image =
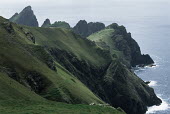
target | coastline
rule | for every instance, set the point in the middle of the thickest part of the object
(151, 83)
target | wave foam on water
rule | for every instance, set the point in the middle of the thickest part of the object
(138, 69)
(162, 107)
(153, 83)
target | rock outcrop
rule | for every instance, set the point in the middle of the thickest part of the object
(130, 48)
(25, 17)
(95, 27)
(121, 45)
(46, 23)
(85, 29)
(124, 89)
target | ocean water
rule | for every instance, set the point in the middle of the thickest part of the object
(153, 35)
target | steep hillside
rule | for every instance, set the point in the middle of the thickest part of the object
(65, 40)
(29, 76)
(13, 90)
(105, 75)
(33, 67)
(58, 65)
(25, 17)
(120, 44)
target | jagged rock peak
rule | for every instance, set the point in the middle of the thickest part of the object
(28, 8)
(25, 17)
(46, 23)
(85, 29)
(82, 22)
(15, 14)
(13, 17)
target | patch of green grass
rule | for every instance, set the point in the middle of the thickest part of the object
(68, 41)
(60, 24)
(102, 35)
(81, 93)
(11, 89)
(14, 54)
(17, 60)
(31, 107)
(104, 40)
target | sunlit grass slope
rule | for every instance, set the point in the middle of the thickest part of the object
(103, 39)
(18, 61)
(27, 79)
(66, 40)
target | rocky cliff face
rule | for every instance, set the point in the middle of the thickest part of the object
(130, 48)
(113, 83)
(85, 29)
(124, 89)
(46, 23)
(25, 17)
(121, 45)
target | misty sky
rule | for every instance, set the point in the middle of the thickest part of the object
(90, 10)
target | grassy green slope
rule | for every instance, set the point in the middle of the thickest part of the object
(12, 90)
(18, 60)
(60, 24)
(32, 107)
(67, 40)
(11, 101)
(14, 54)
(103, 39)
